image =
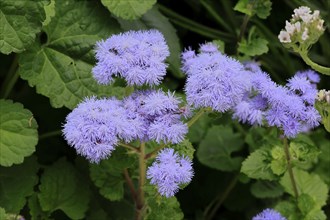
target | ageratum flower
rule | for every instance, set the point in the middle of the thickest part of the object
(137, 56)
(290, 107)
(169, 171)
(213, 79)
(269, 214)
(160, 115)
(94, 127)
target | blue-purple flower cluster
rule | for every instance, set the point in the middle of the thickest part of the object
(137, 56)
(213, 79)
(95, 126)
(269, 214)
(169, 171)
(222, 83)
(289, 107)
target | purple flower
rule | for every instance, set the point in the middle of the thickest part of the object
(169, 171)
(137, 56)
(290, 107)
(160, 115)
(269, 214)
(213, 79)
(94, 127)
(311, 75)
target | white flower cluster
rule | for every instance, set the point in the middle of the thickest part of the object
(303, 24)
(324, 95)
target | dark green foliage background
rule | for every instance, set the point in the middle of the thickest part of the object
(54, 75)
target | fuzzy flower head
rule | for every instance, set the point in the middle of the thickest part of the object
(160, 115)
(95, 126)
(213, 79)
(269, 214)
(169, 171)
(290, 107)
(305, 27)
(137, 56)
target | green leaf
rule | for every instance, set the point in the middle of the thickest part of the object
(35, 208)
(257, 165)
(2, 213)
(324, 109)
(310, 184)
(198, 130)
(50, 12)
(161, 208)
(266, 189)
(60, 67)
(316, 214)
(216, 148)
(154, 19)
(305, 203)
(184, 148)
(244, 6)
(289, 210)
(20, 21)
(63, 188)
(303, 154)
(19, 134)
(254, 47)
(279, 163)
(108, 175)
(220, 44)
(260, 136)
(17, 183)
(128, 9)
(261, 8)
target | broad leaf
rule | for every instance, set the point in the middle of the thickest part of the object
(161, 208)
(198, 130)
(289, 210)
(303, 154)
(17, 183)
(261, 8)
(128, 9)
(60, 65)
(50, 12)
(2, 213)
(109, 174)
(184, 148)
(217, 146)
(19, 134)
(266, 189)
(63, 188)
(20, 21)
(255, 47)
(278, 163)
(306, 183)
(154, 19)
(257, 165)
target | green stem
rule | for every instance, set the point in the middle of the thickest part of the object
(130, 184)
(130, 147)
(288, 159)
(243, 28)
(219, 200)
(216, 16)
(196, 117)
(154, 152)
(194, 26)
(11, 78)
(50, 134)
(140, 203)
(315, 66)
